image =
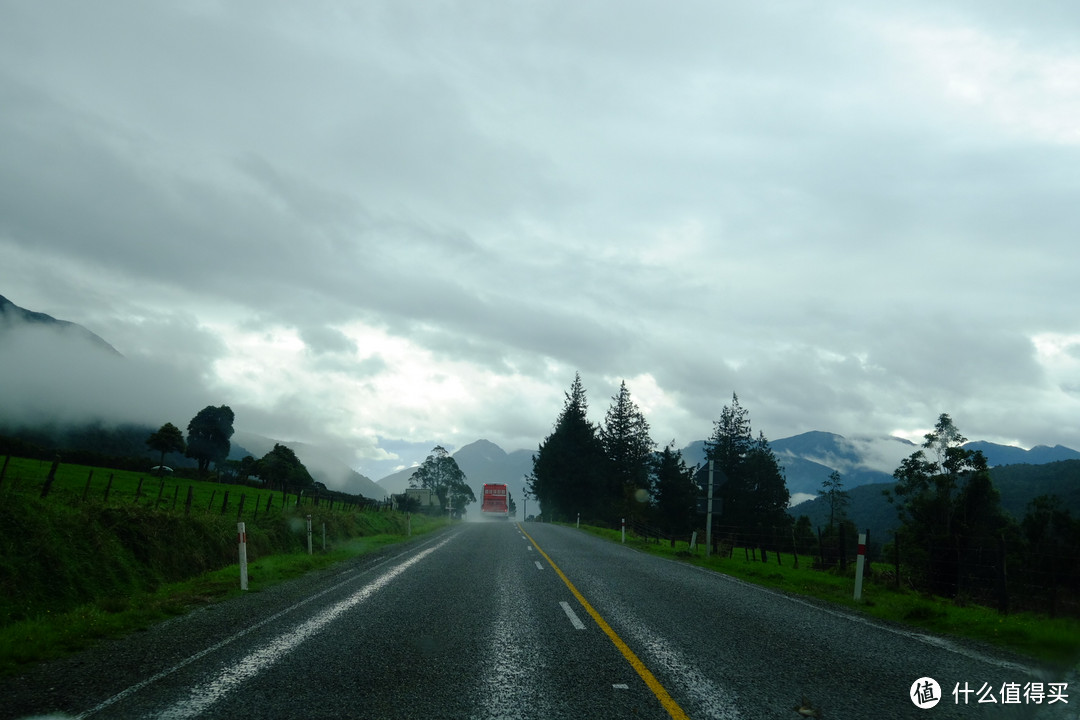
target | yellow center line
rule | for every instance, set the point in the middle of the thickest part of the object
(661, 693)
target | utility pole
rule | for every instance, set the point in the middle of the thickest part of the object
(708, 514)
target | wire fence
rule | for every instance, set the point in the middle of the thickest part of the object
(60, 482)
(1010, 578)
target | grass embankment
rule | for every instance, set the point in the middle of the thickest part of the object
(1051, 641)
(73, 571)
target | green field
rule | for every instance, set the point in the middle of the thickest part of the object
(75, 568)
(80, 482)
(1052, 641)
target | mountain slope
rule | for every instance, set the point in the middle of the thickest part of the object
(323, 463)
(1017, 484)
(13, 317)
(809, 458)
(1010, 455)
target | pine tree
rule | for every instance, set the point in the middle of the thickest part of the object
(676, 493)
(750, 482)
(629, 450)
(568, 468)
(731, 439)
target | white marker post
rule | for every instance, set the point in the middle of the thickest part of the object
(308, 534)
(624, 531)
(241, 536)
(578, 524)
(859, 564)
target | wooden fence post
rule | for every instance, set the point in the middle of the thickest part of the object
(86, 489)
(3, 470)
(896, 557)
(240, 509)
(138, 490)
(1003, 585)
(108, 487)
(176, 493)
(211, 503)
(843, 547)
(49, 478)
(160, 490)
(187, 504)
(225, 502)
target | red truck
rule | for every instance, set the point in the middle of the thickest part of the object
(496, 502)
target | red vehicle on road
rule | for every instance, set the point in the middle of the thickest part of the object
(496, 502)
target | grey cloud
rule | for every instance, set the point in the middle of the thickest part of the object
(323, 339)
(499, 186)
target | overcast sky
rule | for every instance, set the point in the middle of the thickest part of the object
(391, 225)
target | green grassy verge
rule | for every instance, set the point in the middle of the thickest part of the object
(73, 571)
(1051, 641)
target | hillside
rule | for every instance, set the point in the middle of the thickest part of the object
(1010, 455)
(14, 318)
(1017, 484)
(809, 458)
(324, 464)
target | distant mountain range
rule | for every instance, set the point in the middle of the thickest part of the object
(12, 316)
(809, 458)
(482, 462)
(865, 465)
(1019, 475)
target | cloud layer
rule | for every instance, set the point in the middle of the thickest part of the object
(396, 224)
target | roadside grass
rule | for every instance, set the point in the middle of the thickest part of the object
(1051, 641)
(73, 572)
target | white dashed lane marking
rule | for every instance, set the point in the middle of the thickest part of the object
(574, 619)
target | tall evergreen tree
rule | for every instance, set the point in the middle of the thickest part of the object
(731, 440)
(750, 482)
(675, 492)
(767, 496)
(568, 468)
(629, 452)
(727, 448)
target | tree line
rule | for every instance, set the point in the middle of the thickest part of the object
(208, 441)
(610, 471)
(955, 536)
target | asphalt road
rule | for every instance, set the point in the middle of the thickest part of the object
(497, 620)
